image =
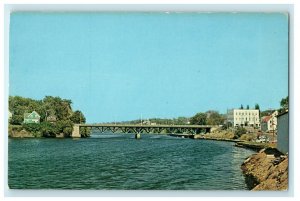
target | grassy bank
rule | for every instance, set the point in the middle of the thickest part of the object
(246, 140)
(255, 145)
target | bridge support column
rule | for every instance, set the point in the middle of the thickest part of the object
(76, 131)
(137, 136)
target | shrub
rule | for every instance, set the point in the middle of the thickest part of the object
(48, 129)
(239, 132)
(65, 127)
(247, 137)
(85, 132)
(32, 127)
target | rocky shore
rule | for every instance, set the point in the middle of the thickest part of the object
(20, 134)
(266, 170)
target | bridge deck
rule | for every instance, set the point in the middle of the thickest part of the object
(142, 128)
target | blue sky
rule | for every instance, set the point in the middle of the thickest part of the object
(119, 66)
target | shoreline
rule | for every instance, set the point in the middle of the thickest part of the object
(265, 170)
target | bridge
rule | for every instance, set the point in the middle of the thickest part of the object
(142, 128)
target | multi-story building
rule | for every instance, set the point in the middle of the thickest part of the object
(243, 117)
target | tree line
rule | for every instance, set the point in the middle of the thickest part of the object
(210, 117)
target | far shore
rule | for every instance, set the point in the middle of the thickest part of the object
(245, 142)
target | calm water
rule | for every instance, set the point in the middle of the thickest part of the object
(116, 161)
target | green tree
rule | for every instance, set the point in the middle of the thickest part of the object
(85, 132)
(49, 130)
(199, 119)
(182, 120)
(65, 127)
(242, 107)
(256, 106)
(61, 107)
(284, 103)
(78, 117)
(214, 118)
(16, 119)
(248, 107)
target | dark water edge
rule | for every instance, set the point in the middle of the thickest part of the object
(120, 162)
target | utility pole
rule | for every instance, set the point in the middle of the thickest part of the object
(273, 129)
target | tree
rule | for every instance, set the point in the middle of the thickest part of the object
(214, 118)
(256, 106)
(248, 107)
(77, 117)
(61, 107)
(284, 103)
(242, 107)
(65, 127)
(16, 119)
(199, 119)
(266, 112)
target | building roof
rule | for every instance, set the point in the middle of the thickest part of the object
(266, 118)
(51, 117)
(246, 109)
(287, 111)
(30, 115)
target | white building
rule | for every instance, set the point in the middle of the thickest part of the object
(269, 123)
(243, 117)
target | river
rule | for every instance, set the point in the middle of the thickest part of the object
(118, 161)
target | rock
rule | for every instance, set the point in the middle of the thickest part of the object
(61, 135)
(262, 173)
(21, 134)
(273, 151)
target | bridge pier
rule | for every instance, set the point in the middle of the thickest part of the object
(137, 136)
(76, 131)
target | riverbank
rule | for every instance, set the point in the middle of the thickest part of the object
(17, 131)
(256, 146)
(245, 140)
(266, 170)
